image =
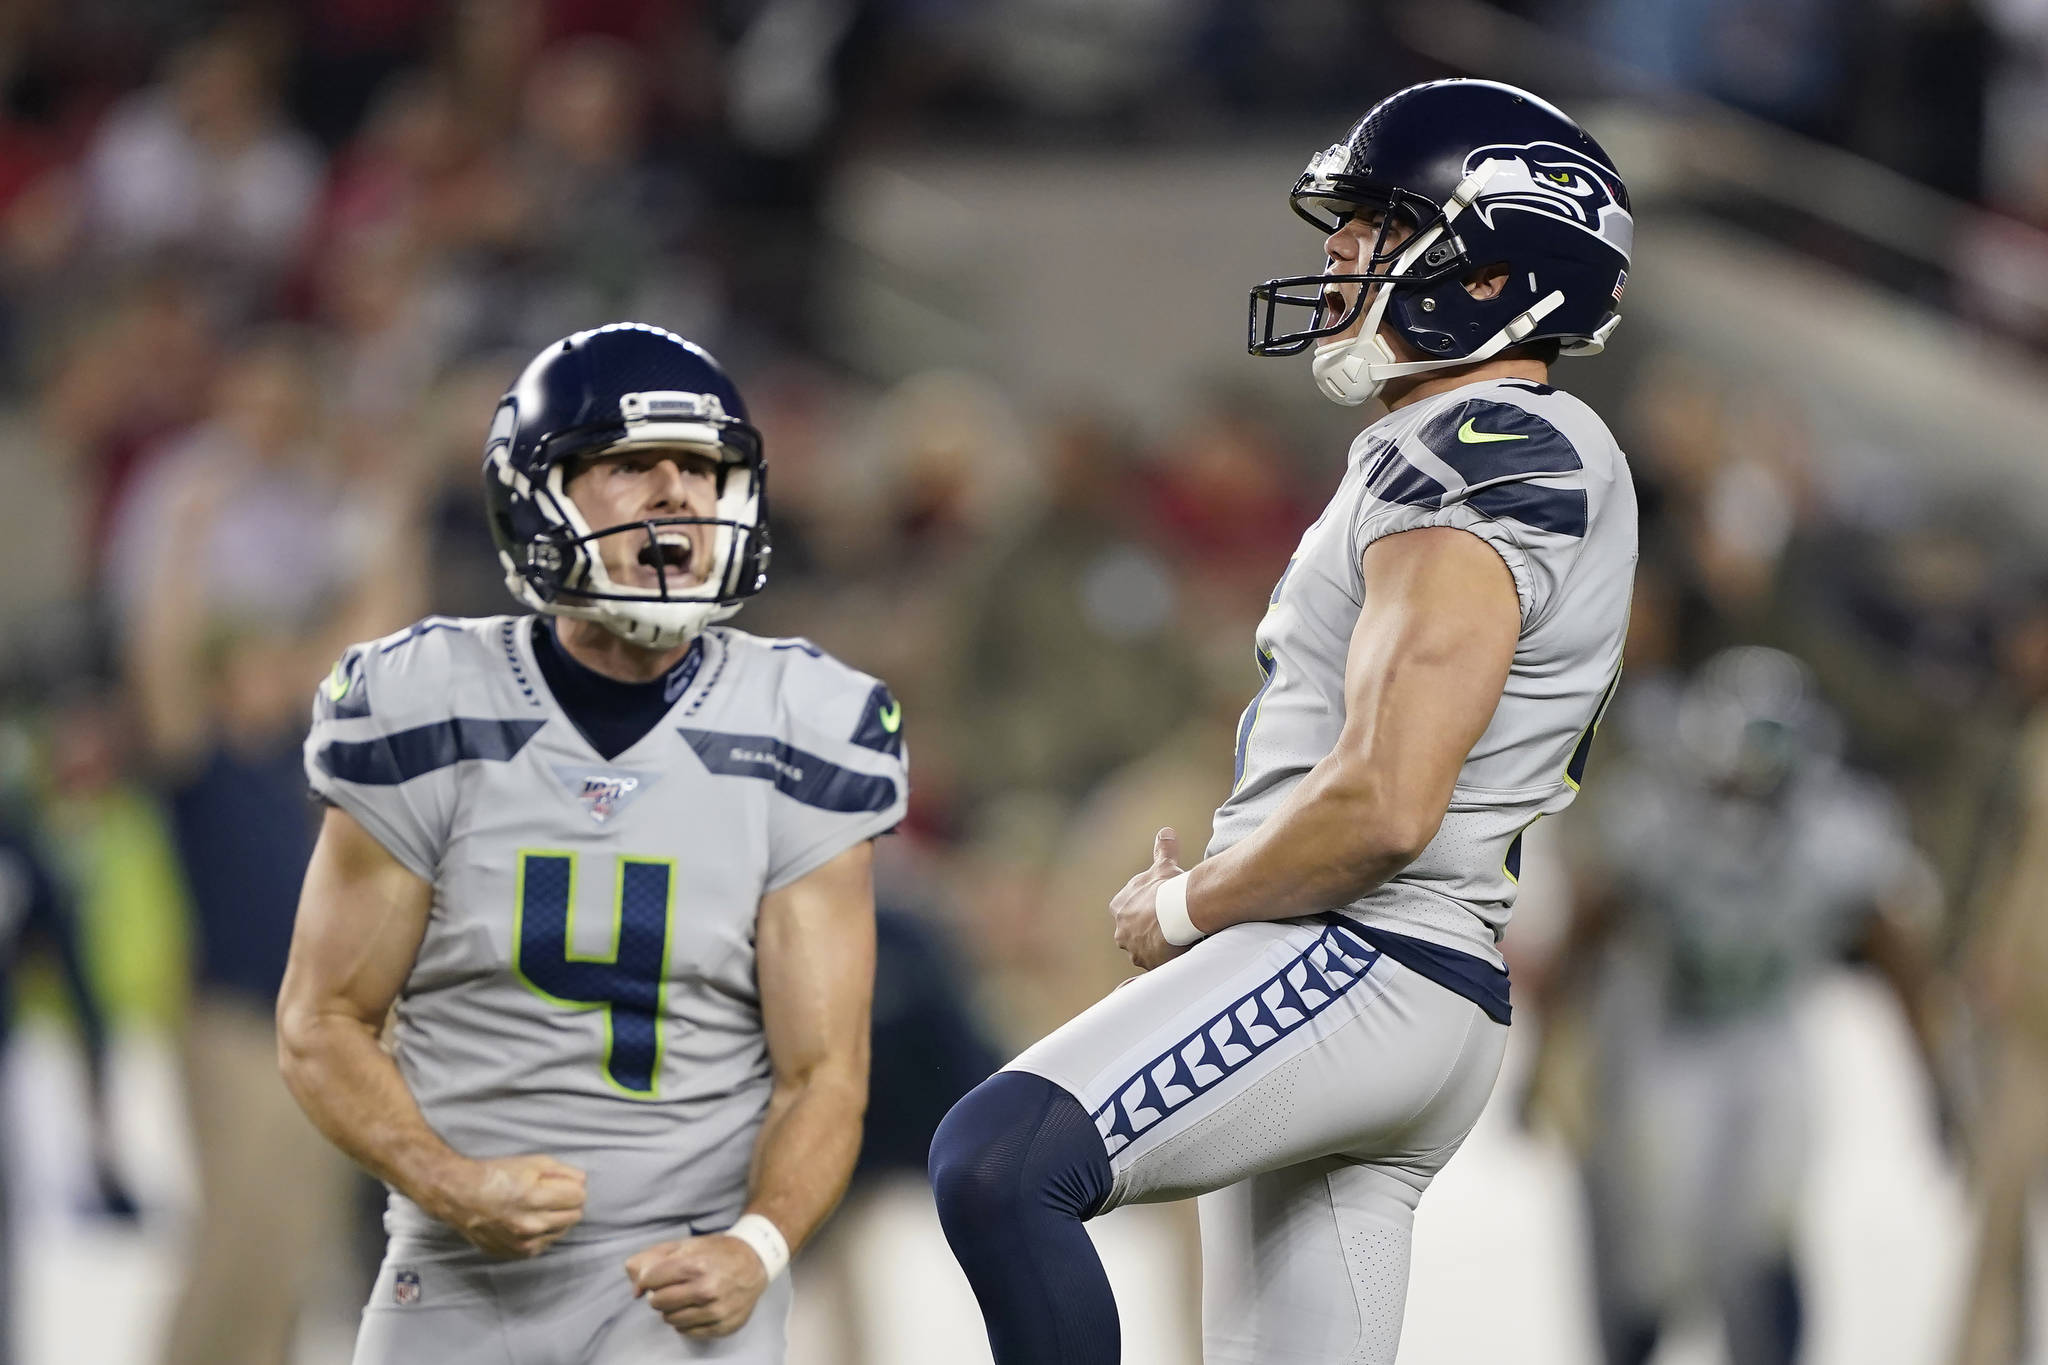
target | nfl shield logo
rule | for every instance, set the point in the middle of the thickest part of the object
(605, 793)
(405, 1286)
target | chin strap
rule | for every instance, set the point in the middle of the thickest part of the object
(1353, 371)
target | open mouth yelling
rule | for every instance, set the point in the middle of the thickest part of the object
(671, 556)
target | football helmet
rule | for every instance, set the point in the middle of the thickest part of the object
(619, 387)
(1483, 174)
(1750, 718)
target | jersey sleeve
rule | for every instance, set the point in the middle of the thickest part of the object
(1496, 470)
(374, 717)
(847, 778)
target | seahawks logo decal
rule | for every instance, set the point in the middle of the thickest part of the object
(1545, 178)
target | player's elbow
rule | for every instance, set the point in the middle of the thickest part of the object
(1394, 839)
(1390, 825)
(306, 1034)
(298, 1027)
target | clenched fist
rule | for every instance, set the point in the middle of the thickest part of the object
(701, 1286)
(512, 1206)
(1135, 909)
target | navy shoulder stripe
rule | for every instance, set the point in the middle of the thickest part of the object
(1485, 441)
(392, 759)
(798, 774)
(881, 723)
(1561, 510)
(1393, 479)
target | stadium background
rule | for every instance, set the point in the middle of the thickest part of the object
(979, 266)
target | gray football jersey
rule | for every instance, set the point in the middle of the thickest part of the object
(586, 986)
(1535, 474)
(1734, 902)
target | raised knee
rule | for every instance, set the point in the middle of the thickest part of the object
(1013, 1144)
(976, 1167)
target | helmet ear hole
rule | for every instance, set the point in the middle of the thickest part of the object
(1487, 281)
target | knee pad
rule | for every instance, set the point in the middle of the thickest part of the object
(1014, 1146)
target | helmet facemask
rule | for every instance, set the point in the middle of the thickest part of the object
(1355, 369)
(561, 571)
(1388, 264)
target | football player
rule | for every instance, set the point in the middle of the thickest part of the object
(1731, 862)
(610, 864)
(1324, 1006)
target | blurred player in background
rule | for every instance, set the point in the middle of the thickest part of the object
(1732, 861)
(240, 565)
(1325, 1006)
(611, 864)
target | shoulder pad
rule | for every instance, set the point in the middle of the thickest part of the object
(1495, 450)
(410, 671)
(834, 700)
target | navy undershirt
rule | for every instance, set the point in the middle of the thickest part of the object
(612, 715)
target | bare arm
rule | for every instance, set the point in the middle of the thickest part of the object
(362, 915)
(1428, 660)
(817, 967)
(163, 652)
(816, 961)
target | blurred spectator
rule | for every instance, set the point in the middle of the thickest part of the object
(35, 910)
(346, 50)
(444, 437)
(1179, 783)
(128, 381)
(491, 47)
(201, 168)
(420, 174)
(938, 477)
(1070, 660)
(608, 225)
(237, 581)
(1229, 498)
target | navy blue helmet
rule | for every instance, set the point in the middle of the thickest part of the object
(624, 386)
(1751, 718)
(1480, 174)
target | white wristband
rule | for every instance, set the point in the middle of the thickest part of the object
(1172, 909)
(765, 1238)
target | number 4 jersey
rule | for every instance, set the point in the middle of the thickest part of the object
(586, 987)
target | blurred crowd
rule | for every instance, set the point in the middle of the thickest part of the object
(264, 272)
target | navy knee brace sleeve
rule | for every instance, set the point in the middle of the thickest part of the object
(1015, 1167)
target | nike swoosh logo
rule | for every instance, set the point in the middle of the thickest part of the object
(338, 683)
(1480, 438)
(891, 716)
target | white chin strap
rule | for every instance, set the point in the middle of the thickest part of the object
(642, 618)
(651, 625)
(1354, 370)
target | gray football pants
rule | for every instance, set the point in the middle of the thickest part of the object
(1307, 1089)
(571, 1305)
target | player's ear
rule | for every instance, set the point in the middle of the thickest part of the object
(1486, 282)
